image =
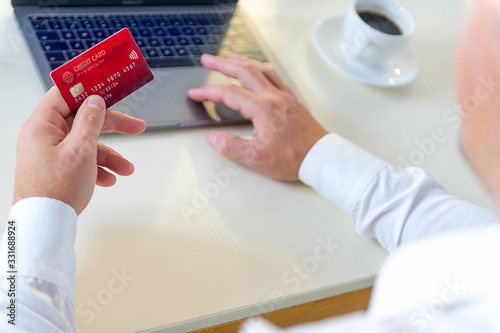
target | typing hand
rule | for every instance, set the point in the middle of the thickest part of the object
(284, 130)
(58, 155)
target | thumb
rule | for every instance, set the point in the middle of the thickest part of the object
(88, 123)
(233, 147)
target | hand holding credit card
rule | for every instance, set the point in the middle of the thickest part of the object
(112, 69)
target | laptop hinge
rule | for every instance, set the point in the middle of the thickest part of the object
(132, 2)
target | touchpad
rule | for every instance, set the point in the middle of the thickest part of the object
(220, 112)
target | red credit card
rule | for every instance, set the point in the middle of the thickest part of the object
(113, 69)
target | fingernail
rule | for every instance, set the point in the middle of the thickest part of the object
(96, 102)
(212, 138)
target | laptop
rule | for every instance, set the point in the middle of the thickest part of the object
(172, 35)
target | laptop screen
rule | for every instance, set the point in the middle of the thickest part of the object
(74, 3)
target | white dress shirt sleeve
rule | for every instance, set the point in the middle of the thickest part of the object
(395, 207)
(45, 231)
(391, 205)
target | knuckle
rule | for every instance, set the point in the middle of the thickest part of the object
(269, 71)
(266, 102)
(272, 102)
(248, 67)
(250, 154)
(89, 116)
(232, 88)
(83, 148)
(249, 70)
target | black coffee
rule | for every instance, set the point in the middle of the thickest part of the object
(380, 22)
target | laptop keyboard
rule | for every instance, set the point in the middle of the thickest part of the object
(164, 40)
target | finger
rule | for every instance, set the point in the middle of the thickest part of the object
(110, 159)
(122, 123)
(104, 178)
(249, 76)
(53, 101)
(237, 98)
(268, 72)
(87, 125)
(233, 147)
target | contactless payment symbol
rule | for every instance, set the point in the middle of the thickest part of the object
(133, 55)
(68, 77)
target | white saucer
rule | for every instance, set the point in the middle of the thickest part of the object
(400, 70)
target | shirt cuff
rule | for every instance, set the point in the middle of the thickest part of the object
(340, 171)
(45, 239)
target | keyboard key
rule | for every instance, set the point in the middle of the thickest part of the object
(209, 49)
(154, 42)
(189, 21)
(54, 65)
(144, 32)
(170, 62)
(84, 34)
(54, 46)
(197, 41)
(175, 21)
(151, 53)
(88, 24)
(218, 20)
(212, 40)
(102, 24)
(182, 41)
(77, 45)
(140, 42)
(203, 20)
(159, 32)
(174, 32)
(72, 24)
(160, 21)
(196, 51)
(55, 56)
(47, 35)
(101, 34)
(146, 22)
(55, 24)
(68, 34)
(188, 31)
(168, 41)
(92, 43)
(117, 23)
(167, 52)
(181, 52)
(216, 31)
(71, 54)
(39, 25)
(134, 32)
(131, 22)
(202, 31)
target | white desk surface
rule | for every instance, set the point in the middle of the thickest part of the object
(240, 251)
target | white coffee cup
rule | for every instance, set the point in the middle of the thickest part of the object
(363, 43)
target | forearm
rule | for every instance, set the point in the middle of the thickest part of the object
(391, 205)
(43, 267)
